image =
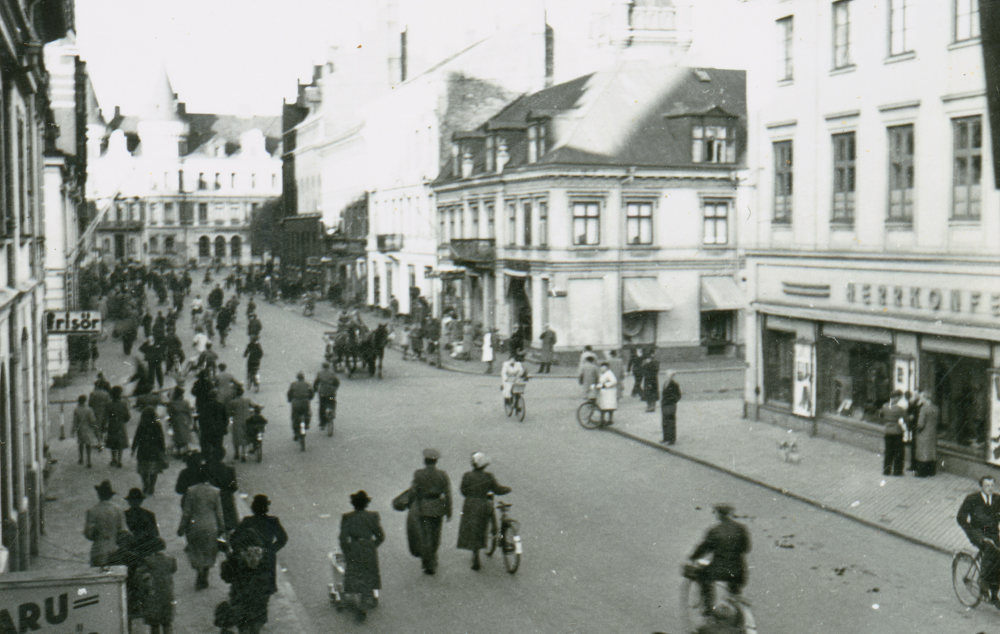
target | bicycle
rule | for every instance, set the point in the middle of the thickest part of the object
(327, 414)
(589, 414)
(515, 404)
(508, 539)
(692, 609)
(965, 571)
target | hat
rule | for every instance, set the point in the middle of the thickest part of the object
(260, 504)
(360, 499)
(104, 489)
(480, 460)
(432, 454)
(135, 494)
(723, 509)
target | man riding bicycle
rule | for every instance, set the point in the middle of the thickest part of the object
(326, 386)
(728, 542)
(299, 395)
(511, 372)
(979, 516)
(254, 353)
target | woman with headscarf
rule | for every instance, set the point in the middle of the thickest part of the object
(201, 524)
(478, 487)
(360, 536)
(149, 449)
(118, 415)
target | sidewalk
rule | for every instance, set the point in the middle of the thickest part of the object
(70, 491)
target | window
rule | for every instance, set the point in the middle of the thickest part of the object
(900, 26)
(202, 213)
(716, 221)
(253, 181)
(528, 218)
(168, 244)
(786, 37)
(968, 133)
(236, 247)
(966, 20)
(491, 229)
(442, 229)
(154, 214)
(511, 222)
(474, 212)
(543, 223)
(536, 142)
(586, 223)
(782, 181)
(712, 143)
(219, 213)
(180, 180)
(201, 181)
(274, 181)
(843, 177)
(168, 214)
(154, 246)
(218, 181)
(842, 34)
(639, 223)
(456, 160)
(232, 180)
(460, 210)
(451, 224)
(491, 154)
(204, 247)
(901, 173)
(220, 247)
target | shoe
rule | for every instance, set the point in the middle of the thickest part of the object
(361, 616)
(80, 462)
(476, 566)
(428, 571)
(88, 465)
(243, 458)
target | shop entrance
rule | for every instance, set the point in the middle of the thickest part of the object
(520, 305)
(779, 359)
(961, 391)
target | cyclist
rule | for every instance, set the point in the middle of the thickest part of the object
(197, 307)
(978, 517)
(326, 386)
(299, 395)
(511, 372)
(254, 353)
(728, 542)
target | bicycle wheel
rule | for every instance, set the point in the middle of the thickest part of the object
(511, 548)
(691, 608)
(519, 407)
(302, 436)
(491, 544)
(508, 405)
(965, 579)
(588, 415)
(260, 450)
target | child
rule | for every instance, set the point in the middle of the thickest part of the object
(157, 573)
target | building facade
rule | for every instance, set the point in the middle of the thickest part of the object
(872, 252)
(605, 207)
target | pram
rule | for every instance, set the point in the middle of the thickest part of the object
(339, 598)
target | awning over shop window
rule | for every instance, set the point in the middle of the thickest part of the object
(721, 293)
(645, 294)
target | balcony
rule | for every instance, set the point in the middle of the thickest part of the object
(474, 251)
(389, 242)
(120, 225)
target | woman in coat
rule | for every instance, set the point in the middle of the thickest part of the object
(84, 428)
(249, 589)
(149, 449)
(158, 569)
(239, 409)
(488, 351)
(118, 415)
(179, 411)
(201, 524)
(607, 394)
(478, 487)
(360, 536)
(271, 532)
(104, 523)
(925, 437)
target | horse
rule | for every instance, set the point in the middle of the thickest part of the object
(345, 348)
(371, 349)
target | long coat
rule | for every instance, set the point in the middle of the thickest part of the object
(201, 524)
(180, 415)
(607, 394)
(239, 411)
(158, 604)
(925, 438)
(249, 591)
(105, 520)
(142, 523)
(85, 425)
(274, 537)
(669, 398)
(650, 380)
(548, 338)
(728, 541)
(148, 446)
(118, 416)
(589, 375)
(360, 536)
(99, 401)
(477, 511)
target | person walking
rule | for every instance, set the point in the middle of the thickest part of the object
(253, 353)
(607, 394)
(118, 416)
(213, 424)
(223, 477)
(669, 398)
(247, 576)
(478, 486)
(635, 367)
(201, 525)
(360, 536)
(487, 357)
(589, 375)
(728, 542)
(181, 419)
(650, 380)
(157, 572)
(141, 522)
(104, 522)
(432, 499)
(925, 438)
(240, 407)
(84, 428)
(547, 354)
(272, 533)
(149, 449)
(894, 425)
(99, 400)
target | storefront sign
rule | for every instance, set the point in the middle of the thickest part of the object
(65, 322)
(993, 447)
(90, 601)
(804, 401)
(904, 378)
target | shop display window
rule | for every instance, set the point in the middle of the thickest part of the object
(960, 388)
(854, 378)
(779, 361)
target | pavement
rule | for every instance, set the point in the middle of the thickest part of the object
(833, 476)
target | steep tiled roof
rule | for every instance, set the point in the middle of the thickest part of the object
(205, 127)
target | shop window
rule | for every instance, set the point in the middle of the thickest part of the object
(717, 331)
(961, 389)
(854, 378)
(779, 363)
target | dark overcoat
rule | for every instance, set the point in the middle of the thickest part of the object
(274, 537)
(477, 511)
(925, 436)
(728, 541)
(118, 416)
(360, 536)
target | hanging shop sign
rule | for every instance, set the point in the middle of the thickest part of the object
(67, 322)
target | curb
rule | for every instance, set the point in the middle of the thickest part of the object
(782, 491)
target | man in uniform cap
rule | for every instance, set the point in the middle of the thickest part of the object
(728, 542)
(432, 501)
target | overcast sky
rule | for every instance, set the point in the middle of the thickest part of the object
(223, 56)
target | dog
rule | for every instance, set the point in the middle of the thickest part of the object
(788, 450)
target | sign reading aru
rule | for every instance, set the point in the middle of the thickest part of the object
(66, 322)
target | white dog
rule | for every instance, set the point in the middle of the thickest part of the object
(788, 450)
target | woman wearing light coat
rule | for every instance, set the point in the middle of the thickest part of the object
(201, 524)
(607, 394)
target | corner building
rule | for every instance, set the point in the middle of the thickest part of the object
(872, 255)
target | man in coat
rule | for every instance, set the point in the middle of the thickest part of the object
(728, 542)
(326, 386)
(978, 517)
(893, 416)
(650, 379)
(432, 501)
(299, 395)
(589, 374)
(668, 408)
(925, 437)
(104, 522)
(547, 354)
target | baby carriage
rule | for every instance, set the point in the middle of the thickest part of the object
(339, 598)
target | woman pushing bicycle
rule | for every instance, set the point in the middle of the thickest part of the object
(477, 512)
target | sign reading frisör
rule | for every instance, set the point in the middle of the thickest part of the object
(68, 322)
(84, 601)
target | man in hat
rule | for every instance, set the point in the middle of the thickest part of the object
(728, 542)
(432, 501)
(103, 524)
(140, 521)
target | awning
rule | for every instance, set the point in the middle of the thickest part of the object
(645, 294)
(721, 293)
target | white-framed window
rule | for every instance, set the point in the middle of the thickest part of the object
(844, 165)
(456, 159)
(154, 213)
(543, 223)
(716, 220)
(168, 214)
(842, 34)
(511, 222)
(452, 234)
(786, 41)
(202, 213)
(586, 223)
(966, 20)
(712, 141)
(901, 174)
(783, 182)
(491, 221)
(968, 170)
(900, 26)
(639, 222)
(474, 215)
(527, 211)
(536, 141)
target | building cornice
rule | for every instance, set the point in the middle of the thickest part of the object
(500, 180)
(841, 256)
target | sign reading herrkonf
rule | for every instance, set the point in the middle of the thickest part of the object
(67, 322)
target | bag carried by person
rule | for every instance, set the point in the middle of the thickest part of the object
(403, 501)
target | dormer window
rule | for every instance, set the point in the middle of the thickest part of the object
(537, 133)
(712, 141)
(491, 156)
